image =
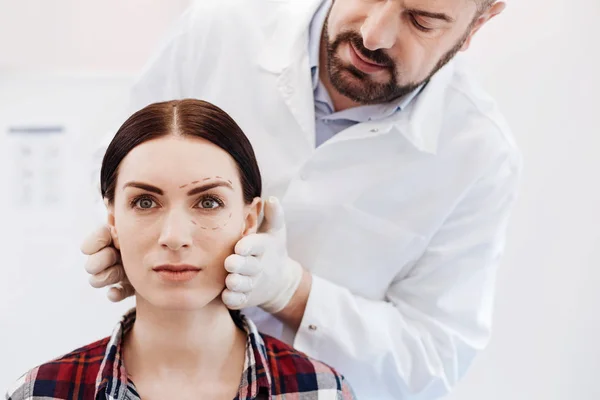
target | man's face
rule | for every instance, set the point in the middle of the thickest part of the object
(379, 50)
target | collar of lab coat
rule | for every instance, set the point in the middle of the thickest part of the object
(286, 55)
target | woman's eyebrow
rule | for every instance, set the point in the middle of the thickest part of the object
(143, 186)
(191, 192)
(208, 186)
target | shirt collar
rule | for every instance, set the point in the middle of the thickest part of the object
(257, 376)
(112, 381)
(357, 114)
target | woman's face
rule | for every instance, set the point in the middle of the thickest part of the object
(177, 214)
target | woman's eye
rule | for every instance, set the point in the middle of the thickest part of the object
(144, 203)
(209, 203)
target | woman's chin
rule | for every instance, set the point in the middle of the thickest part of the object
(180, 301)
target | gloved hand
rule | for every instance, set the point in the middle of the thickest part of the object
(104, 264)
(260, 271)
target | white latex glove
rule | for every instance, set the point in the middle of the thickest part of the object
(260, 272)
(104, 265)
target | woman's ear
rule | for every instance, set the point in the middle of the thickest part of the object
(252, 213)
(110, 210)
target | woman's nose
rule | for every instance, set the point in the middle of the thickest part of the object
(176, 231)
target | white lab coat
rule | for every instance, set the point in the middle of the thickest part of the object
(401, 221)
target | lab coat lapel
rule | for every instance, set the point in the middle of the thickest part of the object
(286, 56)
(421, 124)
(294, 84)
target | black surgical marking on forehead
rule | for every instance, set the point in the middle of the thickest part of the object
(207, 187)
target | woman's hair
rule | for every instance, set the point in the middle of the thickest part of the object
(187, 118)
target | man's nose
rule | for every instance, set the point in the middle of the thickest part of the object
(380, 29)
(176, 231)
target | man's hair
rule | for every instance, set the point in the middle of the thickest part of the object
(483, 5)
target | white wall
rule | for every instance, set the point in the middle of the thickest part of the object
(540, 60)
(108, 35)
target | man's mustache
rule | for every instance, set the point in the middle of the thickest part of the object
(377, 56)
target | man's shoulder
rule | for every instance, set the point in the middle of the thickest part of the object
(56, 379)
(471, 124)
(287, 364)
(473, 101)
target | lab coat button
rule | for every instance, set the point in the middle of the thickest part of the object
(312, 327)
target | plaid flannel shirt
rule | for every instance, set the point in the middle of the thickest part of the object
(272, 370)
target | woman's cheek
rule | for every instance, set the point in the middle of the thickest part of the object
(134, 242)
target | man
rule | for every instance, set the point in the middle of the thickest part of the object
(396, 173)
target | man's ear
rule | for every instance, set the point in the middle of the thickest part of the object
(252, 213)
(485, 16)
(110, 220)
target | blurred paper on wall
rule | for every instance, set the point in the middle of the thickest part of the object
(50, 128)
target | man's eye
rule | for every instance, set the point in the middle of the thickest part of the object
(420, 26)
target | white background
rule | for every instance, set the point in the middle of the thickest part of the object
(70, 62)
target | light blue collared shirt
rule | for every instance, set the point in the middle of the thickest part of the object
(328, 122)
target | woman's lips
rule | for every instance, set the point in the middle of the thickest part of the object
(363, 64)
(177, 273)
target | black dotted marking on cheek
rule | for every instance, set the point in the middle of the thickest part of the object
(231, 183)
(195, 181)
(205, 179)
(181, 187)
(203, 227)
(218, 177)
(194, 222)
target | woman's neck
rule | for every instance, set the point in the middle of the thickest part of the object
(202, 343)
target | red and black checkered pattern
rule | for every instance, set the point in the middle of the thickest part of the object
(275, 371)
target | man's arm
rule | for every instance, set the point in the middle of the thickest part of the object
(293, 313)
(421, 341)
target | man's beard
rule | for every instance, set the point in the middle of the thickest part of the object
(368, 91)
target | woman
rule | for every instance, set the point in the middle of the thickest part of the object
(182, 186)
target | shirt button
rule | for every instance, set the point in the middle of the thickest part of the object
(374, 130)
(312, 327)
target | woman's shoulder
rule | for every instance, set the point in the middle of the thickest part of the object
(57, 378)
(284, 359)
(279, 351)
